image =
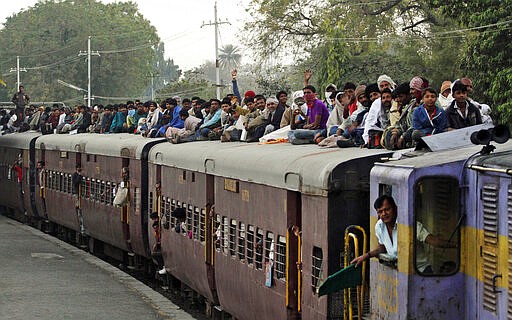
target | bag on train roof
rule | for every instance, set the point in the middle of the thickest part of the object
(121, 197)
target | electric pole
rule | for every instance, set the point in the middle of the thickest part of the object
(18, 70)
(216, 23)
(89, 53)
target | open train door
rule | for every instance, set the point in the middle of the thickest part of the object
(493, 265)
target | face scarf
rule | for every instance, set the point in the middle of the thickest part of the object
(310, 99)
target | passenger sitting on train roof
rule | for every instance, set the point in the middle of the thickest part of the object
(298, 102)
(428, 118)
(387, 235)
(485, 110)
(105, 120)
(85, 120)
(171, 117)
(65, 121)
(268, 120)
(119, 122)
(377, 119)
(316, 119)
(152, 120)
(185, 134)
(462, 113)
(211, 121)
(133, 121)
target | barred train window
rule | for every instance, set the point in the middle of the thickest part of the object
(316, 267)
(93, 189)
(189, 216)
(250, 244)
(280, 263)
(241, 241)
(269, 247)
(259, 248)
(167, 208)
(232, 238)
(202, 230)
(225, 233)
(218, 232)
(436, 208)
(151, 203)
(174, 220)
(108, 193)
(195, 225)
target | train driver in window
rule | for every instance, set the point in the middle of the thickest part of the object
(386, 232)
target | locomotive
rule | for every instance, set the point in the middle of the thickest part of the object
(263, 225)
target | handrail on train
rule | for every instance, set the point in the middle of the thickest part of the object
(347, 299)
(488, 169)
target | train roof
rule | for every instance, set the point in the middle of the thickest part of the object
(427, 159)
(18, 140)
(498, 159)
(114, 145)
(304, 168)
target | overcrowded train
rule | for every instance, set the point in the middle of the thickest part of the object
(257, 229)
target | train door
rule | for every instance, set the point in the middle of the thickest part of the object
(492, 265)
(294, 255)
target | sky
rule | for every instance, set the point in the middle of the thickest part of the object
(178, 24)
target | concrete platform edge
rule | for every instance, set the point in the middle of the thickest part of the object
(164, 308)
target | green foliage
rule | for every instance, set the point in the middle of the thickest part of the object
(486, 55)
(51, 34)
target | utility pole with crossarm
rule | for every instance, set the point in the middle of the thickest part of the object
(216, 23)
(88, 53)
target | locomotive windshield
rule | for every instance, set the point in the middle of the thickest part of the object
(436, 229)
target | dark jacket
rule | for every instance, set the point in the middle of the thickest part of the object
(275, 119)
(86, 122)
(455, 121)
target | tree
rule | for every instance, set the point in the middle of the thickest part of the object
(49, 35)
(229, 56)
(485, 56)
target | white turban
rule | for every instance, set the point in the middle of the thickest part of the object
(387, 79)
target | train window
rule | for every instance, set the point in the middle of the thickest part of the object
(232, 237)
(241, 241)
(151, 202)
(437, 223)
(61, 182)
(250, 244)
(88, 188)
(316, 267)
(88, 157)
(280, 263)
(195, 227)
(225, 233)
(93, 189)
(202, 222)
(269, 247)
(70, 179)
(136, 199)
(167, 211)
(108, 192)
(218, 232)
(174, 221)
(189, 216)
(102, 190)
(259, 248)
(193, 177)
(385, 189)
(98, 190)
(112, 193)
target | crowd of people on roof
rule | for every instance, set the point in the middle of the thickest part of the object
(375, 115)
